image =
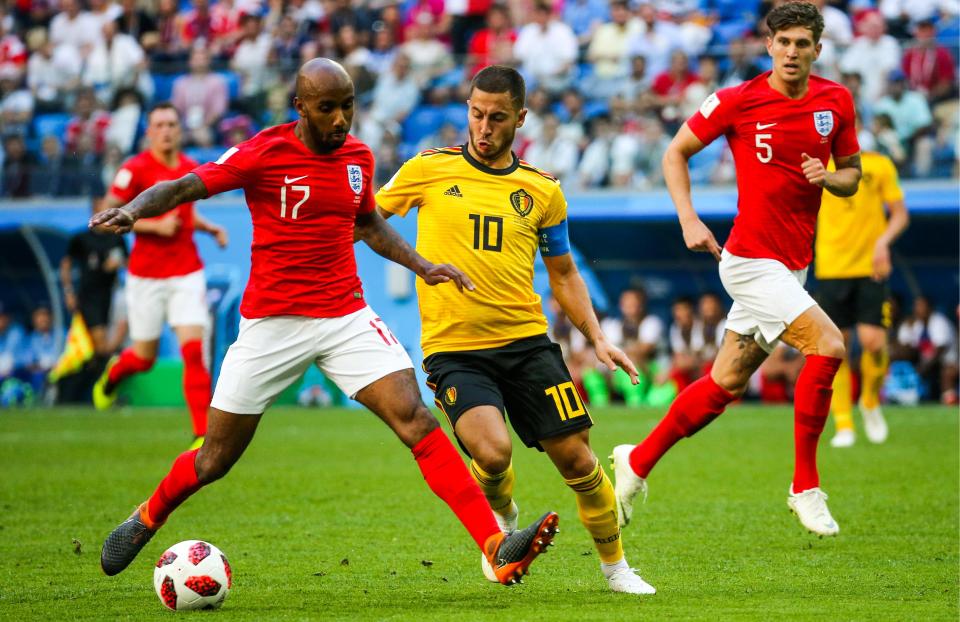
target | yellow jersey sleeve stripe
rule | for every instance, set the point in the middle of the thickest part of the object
(529, 167)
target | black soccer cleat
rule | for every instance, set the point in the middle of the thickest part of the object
(516, 551)
(124, 543)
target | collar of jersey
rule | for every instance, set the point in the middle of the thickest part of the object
(483, 168)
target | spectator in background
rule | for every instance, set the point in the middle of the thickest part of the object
(124, 120)
(586, 17)
(928, 339)
(384, 49)
(54, 182)
(887, 141)
(552, 151)
(778, 374)
(669, 88)
(170, 46)
(594, 167)
(538, 105)
(19, 166)
(637, 82)
(199, 25)
(911, 118)
(713, 317)
(654, 141)
(741, 64)
(492, 45)
(116, 62)
(87, 129)
(900, 14)
(708, 74)
(76, 28)
(139, 24)
(16, 105)
(251, 62)
(547, 49)
(447, 136)
(929, 66)
(465, 20)
(608, 50)
(201, 99)
(104, 11)
(624, 152)
(354, 57)
(429, 58)
(655, 41)
(43, 347)
(395, 94)
(639, 334)
(685, 339)
(52, 72)
(287, 43)
(12, 340)
(873, 54)
(13, 53)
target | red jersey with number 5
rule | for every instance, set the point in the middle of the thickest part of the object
(768, 134)
(155, 256)
(303, 208)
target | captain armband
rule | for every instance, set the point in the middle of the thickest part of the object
(554, 240)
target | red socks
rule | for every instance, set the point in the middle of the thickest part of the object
(127, 365)
(176, 487)
(811, 404)
(449, 479)
(196, 385)
(696, 406)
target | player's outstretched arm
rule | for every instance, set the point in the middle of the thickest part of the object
(571, 293)
(156, 200)
(676, 174)
(843, 182)
(386, 242)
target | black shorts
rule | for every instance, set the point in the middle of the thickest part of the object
(527, 380)
(95, 308)
(849, 302)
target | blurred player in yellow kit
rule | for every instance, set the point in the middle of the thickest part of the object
(853, 264)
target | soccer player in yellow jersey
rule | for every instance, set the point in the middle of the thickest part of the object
(852, 265)
(486, 351)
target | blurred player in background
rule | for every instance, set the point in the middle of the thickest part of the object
(308, 185)
(852, 267)
(165, 279)
(782, 127)
(487, 352)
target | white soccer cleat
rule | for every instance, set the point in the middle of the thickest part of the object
(810, 506)
(508, 524)
(874, 425)
(843, 438)
(627, 484)
(627, 580)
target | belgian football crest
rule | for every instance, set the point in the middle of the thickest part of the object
(450, 396)
(355, 176)
(521, 201)
(823, 121)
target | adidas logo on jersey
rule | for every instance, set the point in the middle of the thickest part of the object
(453, 191)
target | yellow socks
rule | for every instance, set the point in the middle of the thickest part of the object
(842, 402)
(873, 369)
(598, 513)
(496, 487)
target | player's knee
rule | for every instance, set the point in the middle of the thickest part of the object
(416, 424)
(732, 382)
(492, 457)
(831, 344)
(213, 462)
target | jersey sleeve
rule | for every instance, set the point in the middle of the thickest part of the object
(712, 120)
(234, 169)
(404, 190)
(368, 203)
(846, 143)
(553, 238)
(128, 182)
(890, 189)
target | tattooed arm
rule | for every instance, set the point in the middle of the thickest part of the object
(156, 200)
(386, 242)
(571, 292)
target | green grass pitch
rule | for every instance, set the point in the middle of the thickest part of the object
(327, 517)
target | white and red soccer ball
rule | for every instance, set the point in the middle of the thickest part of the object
(192, 574)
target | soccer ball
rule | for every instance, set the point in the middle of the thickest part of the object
(192, 574)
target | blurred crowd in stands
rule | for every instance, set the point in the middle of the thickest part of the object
(609, 81)
(670, 355)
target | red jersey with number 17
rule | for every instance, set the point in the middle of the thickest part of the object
(768, 133)
(303, 206)
(155, 256)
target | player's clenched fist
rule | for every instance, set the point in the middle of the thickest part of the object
(113, 220)
(814, 170)
(443, 272)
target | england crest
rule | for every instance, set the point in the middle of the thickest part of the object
(823, 121)
(355, 177)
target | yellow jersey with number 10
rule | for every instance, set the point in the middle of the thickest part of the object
(848, 227)
(487, 223)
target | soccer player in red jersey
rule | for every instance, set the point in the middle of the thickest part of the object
(782, 128)
(308, 185)
(165, 275)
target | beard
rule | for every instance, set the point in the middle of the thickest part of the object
(504, 147)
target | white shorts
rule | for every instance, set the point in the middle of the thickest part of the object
(180, 300)
(271, 353)
(767, 297)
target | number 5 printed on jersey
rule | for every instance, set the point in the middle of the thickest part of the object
(304, 190)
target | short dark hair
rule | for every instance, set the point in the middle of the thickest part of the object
(792, 14)
(164, 105)
(501, 79)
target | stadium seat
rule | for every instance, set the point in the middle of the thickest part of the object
(204, 154)
(455, 115)
(596, 108)
(421, 122)
(163, 86)
(54, 123)
(233, 84)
